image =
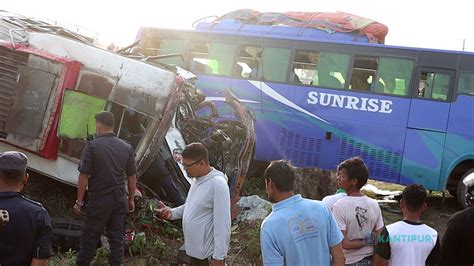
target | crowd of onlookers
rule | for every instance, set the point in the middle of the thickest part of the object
(347, 228)
(343, 229)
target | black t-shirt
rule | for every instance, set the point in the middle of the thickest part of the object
(458, 240)
(383, 246)
(107, 159)
(28, 234)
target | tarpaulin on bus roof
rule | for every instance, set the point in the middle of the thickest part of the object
(329, 21)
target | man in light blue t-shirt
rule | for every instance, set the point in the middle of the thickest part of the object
(298, 231)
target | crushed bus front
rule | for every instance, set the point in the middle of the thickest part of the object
(52, 82)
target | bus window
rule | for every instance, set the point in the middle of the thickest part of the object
(332, 70)
(304, 69)
(77, 114)
(130, 125)
(433, 86)
(77, 121)
(211, 58)
(172, 47)
(320, 69)
(248, 62)
(275, 63)
(466, 83)
(363, 73)
(394, 76)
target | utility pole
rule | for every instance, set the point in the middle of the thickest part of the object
(463, 44)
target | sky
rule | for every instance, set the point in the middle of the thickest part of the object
(414, 23)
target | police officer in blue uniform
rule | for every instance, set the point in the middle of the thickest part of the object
(26, 234)
(105, 162)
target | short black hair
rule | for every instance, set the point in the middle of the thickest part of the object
(282, 174)
(356, 169)
(414, 196)
(196, 151)
(12, 177)
(105, 118)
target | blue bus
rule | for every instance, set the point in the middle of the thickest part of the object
(320, 98)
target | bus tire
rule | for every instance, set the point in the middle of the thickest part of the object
(462, 189)
(453, 192)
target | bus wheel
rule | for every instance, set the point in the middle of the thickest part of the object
(462, 188)
(453, 192)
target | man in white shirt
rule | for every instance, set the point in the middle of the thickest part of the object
(359, 217)
(409, 242)
(340, 193)
(206, 212)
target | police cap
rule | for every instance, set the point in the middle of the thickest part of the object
(13, 161)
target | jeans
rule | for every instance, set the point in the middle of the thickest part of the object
(367, 261)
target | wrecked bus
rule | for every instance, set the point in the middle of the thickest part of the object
(321, 95)
(53, 81)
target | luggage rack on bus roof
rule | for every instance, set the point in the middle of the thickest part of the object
(234, 26)
(329, 26)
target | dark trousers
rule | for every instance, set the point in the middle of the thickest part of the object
(106, 211)
(198, 262)
(157, 175)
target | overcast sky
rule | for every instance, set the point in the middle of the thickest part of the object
(417, 23)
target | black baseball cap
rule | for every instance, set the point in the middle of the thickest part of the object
(13, 161)
(105, 118)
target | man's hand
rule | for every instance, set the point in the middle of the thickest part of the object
(78, 207)
(131, 204)
(215, 262)
(163, 211)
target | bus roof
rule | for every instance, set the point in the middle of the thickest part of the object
(287, 33)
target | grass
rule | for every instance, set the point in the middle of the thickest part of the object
(245, 244)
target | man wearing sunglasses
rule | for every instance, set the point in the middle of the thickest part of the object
(206, 212)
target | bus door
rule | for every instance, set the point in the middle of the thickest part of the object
(427, 123)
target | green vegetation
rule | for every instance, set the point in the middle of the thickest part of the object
(254, 186)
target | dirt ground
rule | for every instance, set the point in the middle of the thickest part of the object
(438, 212)
(163, 240)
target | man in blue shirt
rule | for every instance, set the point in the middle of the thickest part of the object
(26, 232)
(298, 231)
